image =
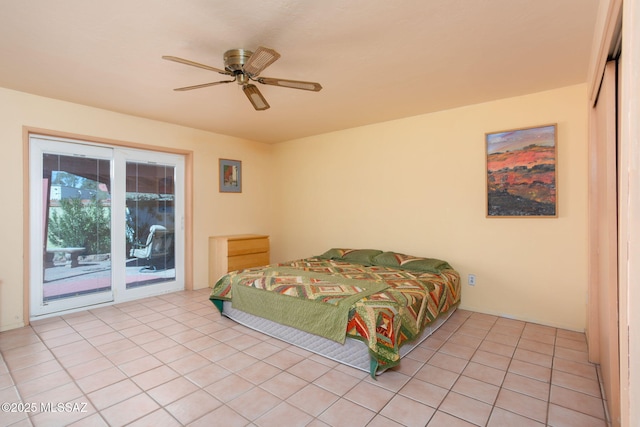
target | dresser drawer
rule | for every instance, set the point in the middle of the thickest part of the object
(240, 262)
(248, 246)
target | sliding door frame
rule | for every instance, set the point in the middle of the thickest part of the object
(188, 200)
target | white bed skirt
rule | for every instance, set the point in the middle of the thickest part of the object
(353, 352)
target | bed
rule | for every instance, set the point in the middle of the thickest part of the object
(363, 307)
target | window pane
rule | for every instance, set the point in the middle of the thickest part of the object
(150, 238)
(77, 249)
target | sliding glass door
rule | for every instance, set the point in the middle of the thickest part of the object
(105, 222)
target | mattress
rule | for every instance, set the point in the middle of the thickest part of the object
(353, 352)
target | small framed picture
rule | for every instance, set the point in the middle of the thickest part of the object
(522, 172)
(230, 176)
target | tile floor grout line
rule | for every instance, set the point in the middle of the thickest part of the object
(555, 343)
(457, 379)
(493, 405)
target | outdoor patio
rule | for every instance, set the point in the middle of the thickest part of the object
(91, 276)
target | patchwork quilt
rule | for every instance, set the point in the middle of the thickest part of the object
(336, 296)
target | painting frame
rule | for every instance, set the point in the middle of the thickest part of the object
(521, 172)
(230, 175)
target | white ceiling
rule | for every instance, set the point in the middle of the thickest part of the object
(377, 60)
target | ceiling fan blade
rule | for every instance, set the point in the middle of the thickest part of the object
(259, 60)
(294, 84)
(195, 64)
(255, 97)
(204, 85)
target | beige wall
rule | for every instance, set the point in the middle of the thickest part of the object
(214, 212)
(417, 185)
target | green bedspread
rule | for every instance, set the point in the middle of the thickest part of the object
(313, 302)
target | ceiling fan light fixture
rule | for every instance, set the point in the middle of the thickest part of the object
(255, 97)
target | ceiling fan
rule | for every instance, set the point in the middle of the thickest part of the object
(245, 66)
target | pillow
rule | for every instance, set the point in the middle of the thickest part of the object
(409, 262)
(356, 256)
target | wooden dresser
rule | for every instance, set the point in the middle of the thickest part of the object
(230, 253)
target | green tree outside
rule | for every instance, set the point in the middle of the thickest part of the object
(80, 225)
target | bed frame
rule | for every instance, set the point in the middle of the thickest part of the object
(353, 352)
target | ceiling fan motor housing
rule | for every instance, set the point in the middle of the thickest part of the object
(235, 59)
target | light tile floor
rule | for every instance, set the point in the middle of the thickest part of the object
(173, 360)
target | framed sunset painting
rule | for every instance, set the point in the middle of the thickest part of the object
(521, 172)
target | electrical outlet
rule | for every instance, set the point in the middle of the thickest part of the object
(472, 280)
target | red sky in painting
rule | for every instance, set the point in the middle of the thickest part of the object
(529, 157)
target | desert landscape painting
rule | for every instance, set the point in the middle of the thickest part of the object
(521, 172)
